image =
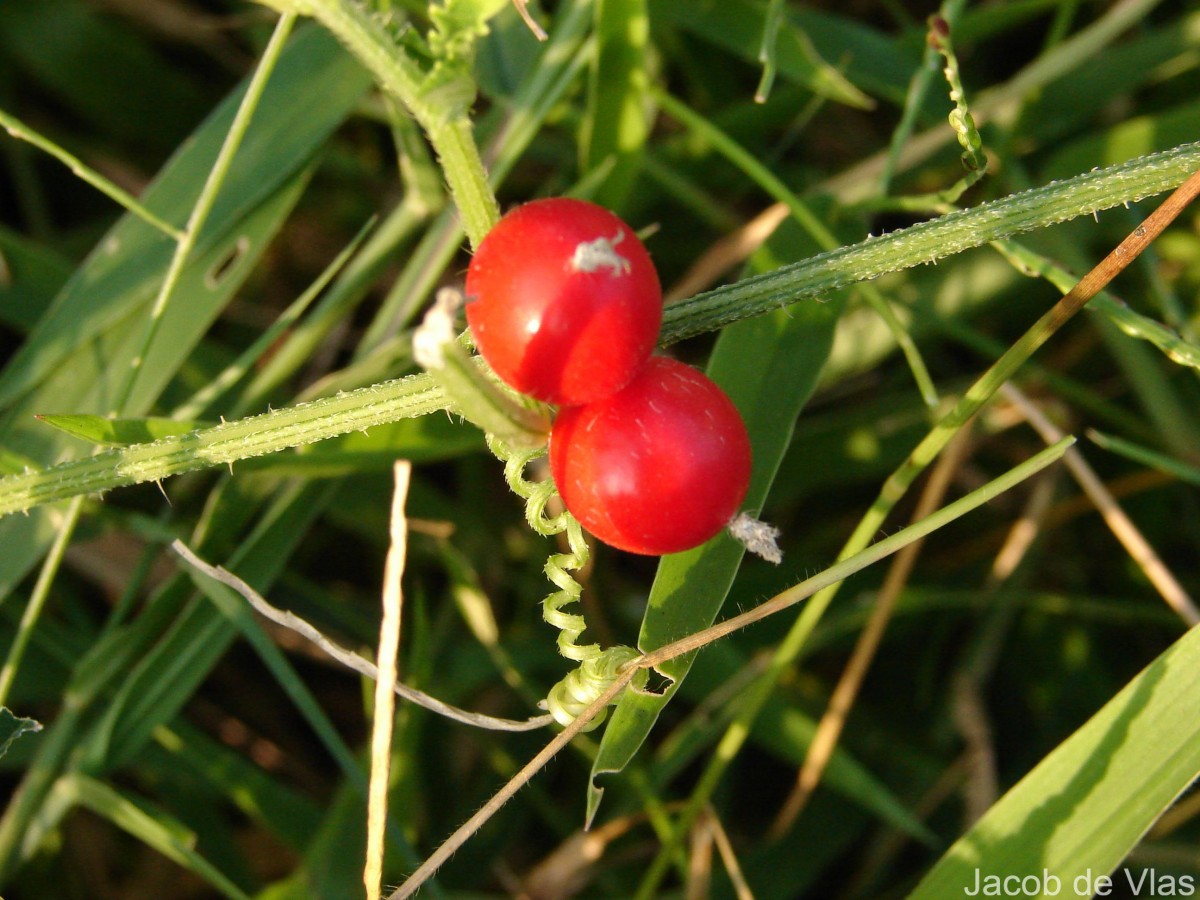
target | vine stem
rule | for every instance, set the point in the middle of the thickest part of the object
(418, 395)
(442, 108)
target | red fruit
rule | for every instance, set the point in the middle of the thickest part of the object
(563, 301)
(659, 467)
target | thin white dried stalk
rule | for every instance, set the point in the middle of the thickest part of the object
(348, 658)
(384, 719)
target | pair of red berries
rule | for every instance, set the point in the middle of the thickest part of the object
(564, 303)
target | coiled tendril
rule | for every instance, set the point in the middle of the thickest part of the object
(597, 668)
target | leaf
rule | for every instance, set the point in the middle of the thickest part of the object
(769, 366)
(123, 273)
(1086, 805)
(149, 824)
(13, 726)
(117, 432)
(616, 124)
(30, 275)
(95, 323)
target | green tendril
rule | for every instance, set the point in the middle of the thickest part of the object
(582, 686)
(597, 668)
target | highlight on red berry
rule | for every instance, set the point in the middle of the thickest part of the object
(563, 301)
(659, 467)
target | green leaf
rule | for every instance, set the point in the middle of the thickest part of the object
(13, 726)
(616, 125)
(149, 824)
(1088, 803)
(83, 345)
(117, 432)
(30, 275)
(769, 366)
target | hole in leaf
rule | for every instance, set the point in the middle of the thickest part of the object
(222, 267)
(657, 683)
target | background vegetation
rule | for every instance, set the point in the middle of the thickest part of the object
(189, 749)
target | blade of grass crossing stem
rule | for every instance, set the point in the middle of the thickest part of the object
(769, 366)
(204, 205)
(85, 382)
(898, 483)
(1080, 812)
(96, 316)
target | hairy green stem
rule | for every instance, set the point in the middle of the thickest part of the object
(418, 394)
(441, 105)
(931, 241)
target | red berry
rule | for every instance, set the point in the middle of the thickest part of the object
(563, 301)
(660, 467)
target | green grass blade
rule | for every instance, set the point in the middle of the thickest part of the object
(1086, 805)
(616, 125)
(111, 432)
(737, 26)
(151, 826)
(1153, 459)
(21, 131)
(123, 273)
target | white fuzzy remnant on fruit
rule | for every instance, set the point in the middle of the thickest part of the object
(601, 253)
(756, 536)
(437, 329)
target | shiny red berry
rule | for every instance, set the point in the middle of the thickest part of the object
(660, 467)
(563, 301)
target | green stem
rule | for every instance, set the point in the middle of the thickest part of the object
(37, 599)
(418, 395)
(810, 222)
(226, 443)
(442, 107)
(931, 241)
